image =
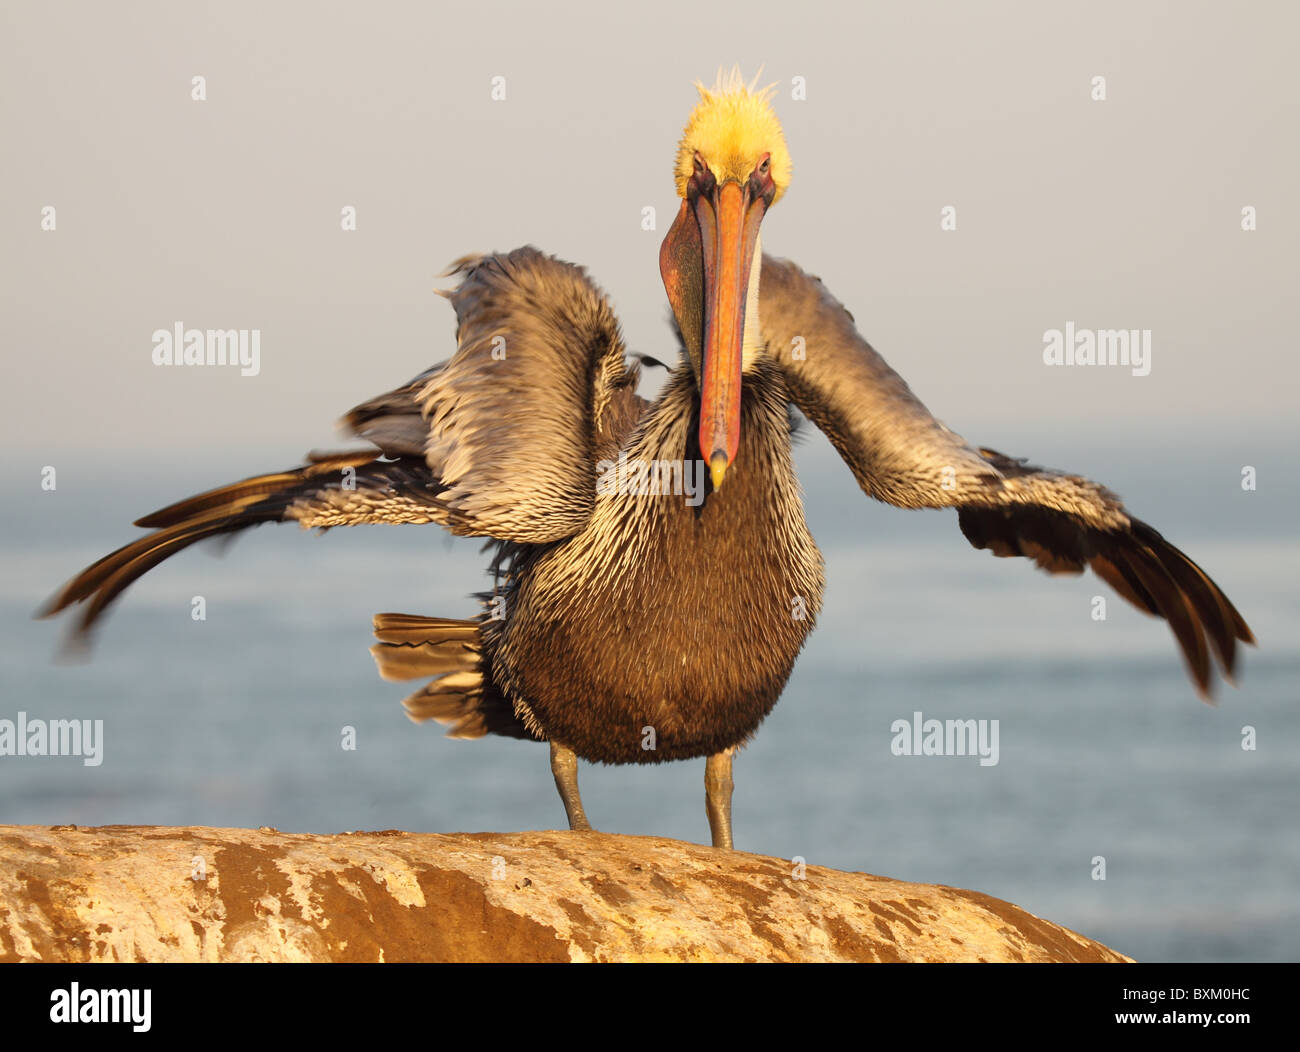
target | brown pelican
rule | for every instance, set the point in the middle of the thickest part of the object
(638, 616)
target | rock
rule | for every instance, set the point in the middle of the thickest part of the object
(141, 893)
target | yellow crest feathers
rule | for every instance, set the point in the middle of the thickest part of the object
(731, 128)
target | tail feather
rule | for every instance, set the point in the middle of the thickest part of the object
(408, 628)
(454, 701)
(411, 661)
(462, 693)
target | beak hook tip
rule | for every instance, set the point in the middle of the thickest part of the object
(718, 468)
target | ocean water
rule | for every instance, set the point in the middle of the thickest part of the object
(1104, 748)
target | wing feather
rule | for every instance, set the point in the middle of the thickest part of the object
(901, 455)
(501, 440)
(515, 417)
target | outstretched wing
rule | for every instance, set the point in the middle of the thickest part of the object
(538, 384)
(513, 424)
(499, 441)
(902, 455)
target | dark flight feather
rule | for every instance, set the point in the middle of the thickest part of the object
(900, 454)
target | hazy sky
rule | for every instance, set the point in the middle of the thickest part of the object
(225, 213)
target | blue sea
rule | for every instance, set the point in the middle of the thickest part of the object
(1104, 749)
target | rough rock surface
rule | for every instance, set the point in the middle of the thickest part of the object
(129, 893)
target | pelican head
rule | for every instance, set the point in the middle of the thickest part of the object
(732, 166)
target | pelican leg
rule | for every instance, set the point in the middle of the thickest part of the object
(717, 796)
(564, 765)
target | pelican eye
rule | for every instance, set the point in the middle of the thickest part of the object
(702, 180)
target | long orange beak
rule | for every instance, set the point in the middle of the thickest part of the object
(728, 219)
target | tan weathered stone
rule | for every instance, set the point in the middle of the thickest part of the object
(128, 893)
